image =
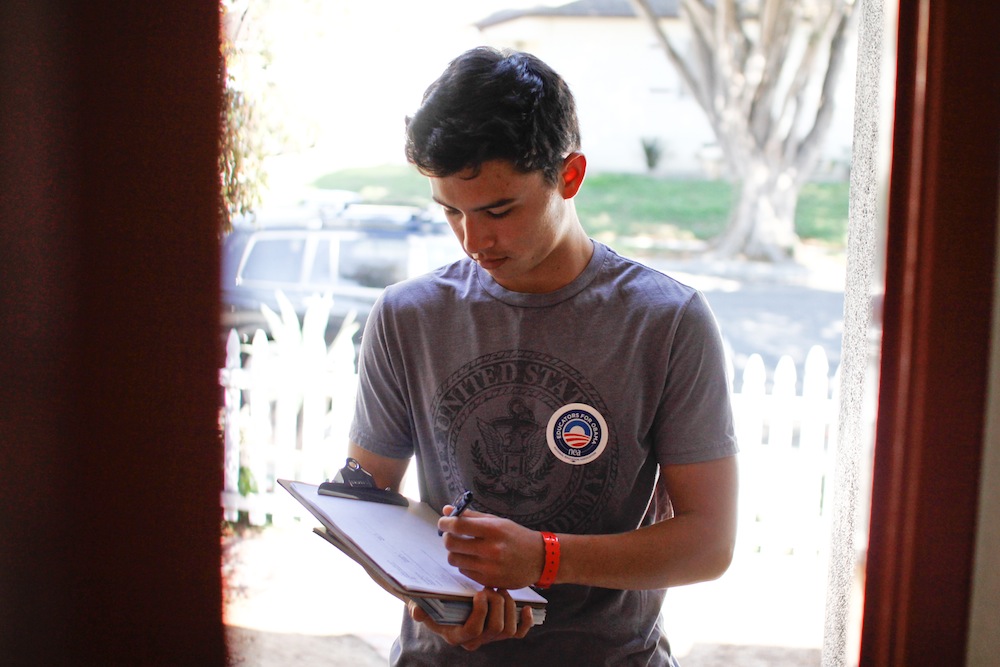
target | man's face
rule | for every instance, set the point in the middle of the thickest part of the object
(516, 226)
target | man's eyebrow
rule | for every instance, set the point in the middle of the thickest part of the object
(495, 204)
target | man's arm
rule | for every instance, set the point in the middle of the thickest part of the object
(494, 615)
(695, 545)
(388, 472)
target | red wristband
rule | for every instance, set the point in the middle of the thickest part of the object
(551, 565)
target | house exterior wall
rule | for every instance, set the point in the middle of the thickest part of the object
(627, 90)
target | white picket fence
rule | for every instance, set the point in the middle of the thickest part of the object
(289, 403)
(787, 440)
(287, 409)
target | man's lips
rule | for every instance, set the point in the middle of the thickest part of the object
(489, 263)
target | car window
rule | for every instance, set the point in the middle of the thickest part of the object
(355, 260)
(274, 260)
(324, 267)
(374, 261)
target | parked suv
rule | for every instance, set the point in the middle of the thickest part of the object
(306, 253)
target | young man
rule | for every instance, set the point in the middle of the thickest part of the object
(564, 385)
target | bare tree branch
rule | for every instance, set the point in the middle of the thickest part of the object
(810, 146)
(644, 11)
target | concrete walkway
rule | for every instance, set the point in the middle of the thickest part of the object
(296, 600)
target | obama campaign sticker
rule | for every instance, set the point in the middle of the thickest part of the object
(577, 433)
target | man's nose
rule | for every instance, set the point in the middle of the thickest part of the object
(478, 235)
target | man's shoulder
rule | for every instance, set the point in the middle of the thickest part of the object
(442, 283)
(632, 276)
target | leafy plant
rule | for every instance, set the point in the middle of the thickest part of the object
(653, 150)
(241, 149)
(246, 484)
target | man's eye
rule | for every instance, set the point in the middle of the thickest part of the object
(498, 214)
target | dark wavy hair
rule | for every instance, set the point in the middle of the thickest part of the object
(491, 104)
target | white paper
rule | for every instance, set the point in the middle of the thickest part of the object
(402, 541)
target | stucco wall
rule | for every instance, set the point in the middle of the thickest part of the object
(627, 90)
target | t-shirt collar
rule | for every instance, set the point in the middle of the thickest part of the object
(529, 300)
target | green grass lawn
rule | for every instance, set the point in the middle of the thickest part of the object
(628, 205)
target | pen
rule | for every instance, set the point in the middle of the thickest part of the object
(459, 505)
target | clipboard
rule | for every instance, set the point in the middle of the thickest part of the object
(353, 481)
(398, 546)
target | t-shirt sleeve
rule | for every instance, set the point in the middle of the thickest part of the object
(695, 420)
(381, 424)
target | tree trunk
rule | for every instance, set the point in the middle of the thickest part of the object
(753, 67)
(762, 226)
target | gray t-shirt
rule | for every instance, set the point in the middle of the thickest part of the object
(555, 410)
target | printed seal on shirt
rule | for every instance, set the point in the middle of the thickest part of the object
(489, 421)
(577, 433)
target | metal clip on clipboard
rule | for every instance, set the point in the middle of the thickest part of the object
(353, 481)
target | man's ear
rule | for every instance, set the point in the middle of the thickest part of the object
(573, 171)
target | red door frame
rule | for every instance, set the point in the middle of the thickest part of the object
(940, 254)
